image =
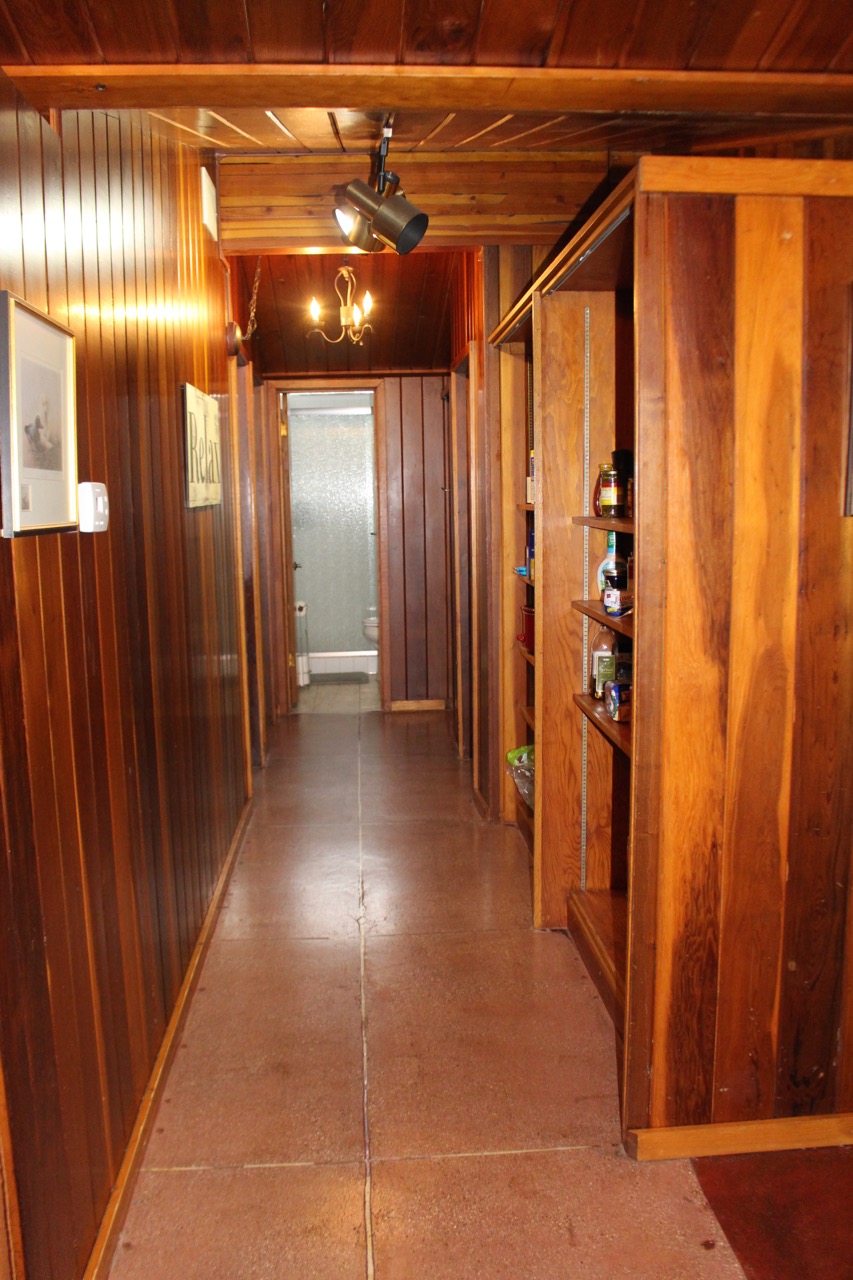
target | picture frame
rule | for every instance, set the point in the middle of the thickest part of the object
(38, 429)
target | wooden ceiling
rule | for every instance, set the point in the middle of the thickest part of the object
(508, 119)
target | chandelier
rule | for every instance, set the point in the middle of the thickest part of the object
(353, 318)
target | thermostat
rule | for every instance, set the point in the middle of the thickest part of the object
(93, 507)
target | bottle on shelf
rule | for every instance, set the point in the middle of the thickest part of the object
(613, 562)
(611, 659)
(602, 660)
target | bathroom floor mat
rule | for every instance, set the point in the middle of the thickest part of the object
(340, 677)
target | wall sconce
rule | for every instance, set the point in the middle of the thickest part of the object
(380, 215)
(353, 317)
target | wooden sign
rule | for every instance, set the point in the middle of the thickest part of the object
(204, 474)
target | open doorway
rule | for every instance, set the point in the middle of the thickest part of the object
(335, 549)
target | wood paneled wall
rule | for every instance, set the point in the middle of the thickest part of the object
(122, 756)
(417, 513)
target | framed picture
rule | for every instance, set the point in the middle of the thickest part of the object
(201, 429)
(38, 437)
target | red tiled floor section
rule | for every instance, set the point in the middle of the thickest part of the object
(386, 1072)
(787, 1214)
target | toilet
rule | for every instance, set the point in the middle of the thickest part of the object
(370, 627)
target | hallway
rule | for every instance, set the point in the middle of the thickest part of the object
(385, 1071)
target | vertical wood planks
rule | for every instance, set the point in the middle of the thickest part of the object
(699, 328)
(414, 534)
(417, 513)
(650, 570)
(815, 1051)
(759, 717)
(559, 378)
(395, 660)
(436, 491)
(121, 755)
(513, 372)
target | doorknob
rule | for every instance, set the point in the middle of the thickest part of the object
(296, 565)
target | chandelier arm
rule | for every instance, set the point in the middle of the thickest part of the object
(331, 341)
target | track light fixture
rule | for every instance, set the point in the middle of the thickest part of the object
(353, 317)
(372, 217)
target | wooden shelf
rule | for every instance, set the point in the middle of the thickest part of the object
(616, 732)
(598, 923)
(616, 523)
(528, 657)
(525, 506)
(595, 609)
(528, 714)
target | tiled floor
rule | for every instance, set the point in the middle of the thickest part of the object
(339, 699)
(385, 1071)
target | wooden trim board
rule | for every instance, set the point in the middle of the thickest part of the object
(424, 704)
(791, 1133)
(719, 175)
(579, 89)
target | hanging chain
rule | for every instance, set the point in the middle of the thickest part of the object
(252, 325)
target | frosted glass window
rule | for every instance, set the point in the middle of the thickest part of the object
(333, 511)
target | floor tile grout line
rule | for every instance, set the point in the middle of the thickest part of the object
(362, 935)
(495, 1154)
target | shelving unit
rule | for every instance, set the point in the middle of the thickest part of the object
(701, 856)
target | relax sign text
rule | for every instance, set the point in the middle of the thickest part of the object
(204, 476)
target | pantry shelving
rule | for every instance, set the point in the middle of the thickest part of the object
(689, 852)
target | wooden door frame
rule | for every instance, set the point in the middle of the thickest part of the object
(279, 407)
(250, 576)
(460, 414)
(317, 385)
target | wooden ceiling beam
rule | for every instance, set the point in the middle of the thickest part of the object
(337, 87)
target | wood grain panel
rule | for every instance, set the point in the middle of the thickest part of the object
(515, 267)
(759, 718)
(273, 40)
(121, 659)
(250, 474)
(437, 515)
(484, 357)
(395, 662)
(700, 408)
(417, 538)
(815, 1058)
(561, 320)
(598, 312)
(460, 684)
(414, 536)
(364, 30)
(777, 34)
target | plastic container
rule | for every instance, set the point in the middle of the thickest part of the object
(521, 766)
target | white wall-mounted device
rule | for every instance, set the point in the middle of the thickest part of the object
(93, 507)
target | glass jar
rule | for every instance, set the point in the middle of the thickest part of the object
(611, 490)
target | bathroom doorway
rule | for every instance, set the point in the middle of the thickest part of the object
(333, 504)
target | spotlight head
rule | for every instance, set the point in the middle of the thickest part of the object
(355, 229)
(399, 224)
(391, 218)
